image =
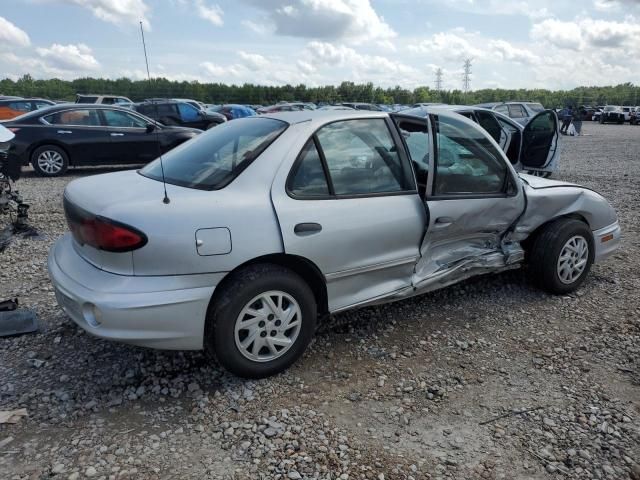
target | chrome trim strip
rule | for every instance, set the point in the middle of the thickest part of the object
(370, 268)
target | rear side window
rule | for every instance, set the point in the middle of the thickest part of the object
(308, 176)
(362, 158)
(516, 111)
(212, 160)
(20, 106)
(85, 117)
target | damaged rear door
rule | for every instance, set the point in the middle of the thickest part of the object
(473, 199)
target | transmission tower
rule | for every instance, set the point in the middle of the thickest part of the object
(466, 76)
(439, 80)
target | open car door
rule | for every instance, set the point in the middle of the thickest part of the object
(540, 142)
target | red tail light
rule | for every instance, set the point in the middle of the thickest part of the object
(100, 232)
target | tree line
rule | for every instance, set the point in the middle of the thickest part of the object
(248, 93)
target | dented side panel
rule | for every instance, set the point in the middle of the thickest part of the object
(465, 231)
(548, 199)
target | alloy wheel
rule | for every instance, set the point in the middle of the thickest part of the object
(268, 326)
(573, 259)
(50, 162)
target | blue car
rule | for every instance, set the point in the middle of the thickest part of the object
(232, 111)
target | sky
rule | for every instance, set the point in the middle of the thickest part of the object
(555, 44)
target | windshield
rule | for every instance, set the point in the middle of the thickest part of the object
(212, 160)
(536, 107)
(610, 109)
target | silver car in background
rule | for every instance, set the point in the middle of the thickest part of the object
(521, 112)
(270, 223)
(534, 147)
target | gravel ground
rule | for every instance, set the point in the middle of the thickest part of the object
(487, 379)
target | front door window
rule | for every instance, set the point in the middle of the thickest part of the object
(467, 163)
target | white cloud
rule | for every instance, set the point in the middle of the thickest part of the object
(75, 58)
(458, 44)
(588, 33)
(558, 33)
(256, 27)
(222, 73)
(538, 9)
(211, 13)
(360, 66)
(350, 20)
(116, 11)
(10, 35)
(253, 60)
(503, 50)
(614, 5)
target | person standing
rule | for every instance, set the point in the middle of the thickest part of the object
(577, 120)
(567, 116)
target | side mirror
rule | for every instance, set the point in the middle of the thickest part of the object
(150, 127)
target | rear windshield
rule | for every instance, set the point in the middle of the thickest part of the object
(212, 160)
(536, 107)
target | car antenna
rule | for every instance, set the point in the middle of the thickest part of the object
(146, 60)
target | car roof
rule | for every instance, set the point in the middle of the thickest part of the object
(322, 116)
(58, 107)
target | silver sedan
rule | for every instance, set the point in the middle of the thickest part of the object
(271, 223)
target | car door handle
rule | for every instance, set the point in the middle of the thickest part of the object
(117, 134)
(443, 221)
(303, 229)
(64, 131)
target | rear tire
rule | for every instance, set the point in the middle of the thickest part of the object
(561, 256)
(49, 161)
(261, 322)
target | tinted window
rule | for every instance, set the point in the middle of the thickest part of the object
(212, 160)
(490, 124)
(502, 109)
(188, 113)
(20, 106)
(74, 117)
(516, 111)
(362, 158)
(536, 107)
(466, 162)
(40, 104)
(307, 177)
(86, 99)
(114, 118)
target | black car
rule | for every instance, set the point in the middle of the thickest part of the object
(57, 137)
(172, 112)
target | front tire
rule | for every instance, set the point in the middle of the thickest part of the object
(49, 161)
(262, 321)
(561, 256)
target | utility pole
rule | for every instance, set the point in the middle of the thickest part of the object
(466, 76)
(439, 80)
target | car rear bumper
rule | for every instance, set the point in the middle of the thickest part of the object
(606, 241)
(166, 312)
